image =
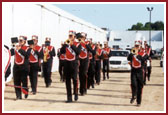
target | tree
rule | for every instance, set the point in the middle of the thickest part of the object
(158, 25)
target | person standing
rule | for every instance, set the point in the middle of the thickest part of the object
(106, 54)
(48, 54)
(91, 69)
(98, 58)
(71, 49)
(20, 68)
(61, 63)
(84, 62)
(39, 49)
(149, 61)
(33, 53)
(137, 58)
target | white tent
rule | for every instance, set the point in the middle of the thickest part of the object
(44, 20)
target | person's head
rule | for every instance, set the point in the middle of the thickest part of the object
(22, 40)
(84, 35)
(72, 35)
(137, 44)
(105, 44)
(47, 41)
(35, 39)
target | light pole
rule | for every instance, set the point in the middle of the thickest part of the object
(150, 11)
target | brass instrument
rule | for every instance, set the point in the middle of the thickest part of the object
(134, 51)
(46, 54)
(79, 39)
(67, 41)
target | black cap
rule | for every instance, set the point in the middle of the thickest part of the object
(47, 43)
(14, 40)
(78, 35)
(30, 42)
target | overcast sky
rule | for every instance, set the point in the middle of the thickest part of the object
(115, 16)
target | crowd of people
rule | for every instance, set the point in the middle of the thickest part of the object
(80, 61)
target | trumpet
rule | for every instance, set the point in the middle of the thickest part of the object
(134, 51)
(67, 41)
(45, 54)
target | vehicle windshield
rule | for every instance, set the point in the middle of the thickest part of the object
(119, 53)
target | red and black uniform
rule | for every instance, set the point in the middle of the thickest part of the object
(144, 65)
(98, 57)
(71, 68)
(20, 70)
(137, 75)
(91, 69)
(34, 56)
(149, 61)
(61, 64)
(83, 68)
(47, 66)
(106, 55)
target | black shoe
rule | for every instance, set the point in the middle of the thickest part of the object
(148, 78)
(138, 105)
(69, 101)
(104, 78)
(76, 97)
(107, 77)
(144, 83)
(18, 98)
(26, 96)
(82, 94)
(132, 100)
(48, 85)
(34, 93)
(92, 85)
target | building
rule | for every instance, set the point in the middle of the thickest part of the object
(125, 39)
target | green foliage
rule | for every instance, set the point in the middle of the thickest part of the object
(158, 25)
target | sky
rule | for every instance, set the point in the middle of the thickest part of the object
(115, 16)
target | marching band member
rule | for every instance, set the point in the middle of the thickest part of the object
(20, 69)
(61, 63)
(98, 57)
(33, 53)
(91, 69)
(48, 54)
(71, 49)
(39, 49)
(106, 54)
(137, 58)
(149, 60)
(84, 61)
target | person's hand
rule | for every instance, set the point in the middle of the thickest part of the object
(32, 46)
(71, 42)
(18, 47)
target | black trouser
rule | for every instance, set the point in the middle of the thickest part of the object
(34, 67)
(91, 73)
(144, 73)
(20, 80)
(137, 84)
(149, 72)
(47, 66)
(105, 68)
(61, 69)
(97, 71)
(83, 69)
(71, 70)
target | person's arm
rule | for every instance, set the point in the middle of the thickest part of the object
(76, 49)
